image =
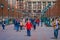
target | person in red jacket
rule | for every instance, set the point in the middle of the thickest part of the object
(28, 27)
(37, 21)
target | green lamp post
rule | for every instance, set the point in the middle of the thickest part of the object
(13, 11)
(8, 12)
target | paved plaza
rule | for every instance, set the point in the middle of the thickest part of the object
(41, 33)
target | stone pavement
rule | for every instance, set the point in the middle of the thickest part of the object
(41, 33)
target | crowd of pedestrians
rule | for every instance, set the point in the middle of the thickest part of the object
(28, 23)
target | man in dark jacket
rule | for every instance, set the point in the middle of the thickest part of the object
(3, 25)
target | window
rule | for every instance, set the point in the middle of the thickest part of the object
(29, 3)
(34, 5)
(44, 4)
(39, 5)
(38, 11)
(54, 2)
(49, 2)
(20, 0)
(34, 11)
(29, 7)
(29, 11)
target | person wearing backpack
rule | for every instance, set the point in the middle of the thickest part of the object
(55, 26)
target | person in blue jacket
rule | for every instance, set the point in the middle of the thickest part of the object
(14, 22)
(3, 25)
(17, 25)
(34, 24)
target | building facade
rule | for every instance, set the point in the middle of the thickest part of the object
(32, 7)
(35, 7)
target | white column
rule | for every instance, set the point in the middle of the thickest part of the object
(27, 6)
(52, 3)
(24, 3)
(32, 9)
(41, 5)
(10, 2)
(36, 6)
(31, 6)
(46, 3)
(16, 5)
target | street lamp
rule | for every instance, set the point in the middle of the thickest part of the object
(2, 6)
(13, 11)
(8, 11)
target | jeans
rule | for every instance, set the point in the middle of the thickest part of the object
(3, 26)
(20, 27)
(34, 27)
(56, 33)
(28, 33)
(17, 28)
(14, 27)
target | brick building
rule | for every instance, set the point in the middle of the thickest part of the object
(30, 6)
(55, 10)
(8, 10)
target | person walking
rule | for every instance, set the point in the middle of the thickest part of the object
(3, 25)
(38, 21)
(28, 27)
(17, 24)
(21, 25)
(14, 22)
(55, 26)
(34, 25)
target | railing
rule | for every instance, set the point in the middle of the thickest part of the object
(46, 8)
(43, 17)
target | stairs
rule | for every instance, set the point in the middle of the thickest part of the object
(43, 15)
(46, 8)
